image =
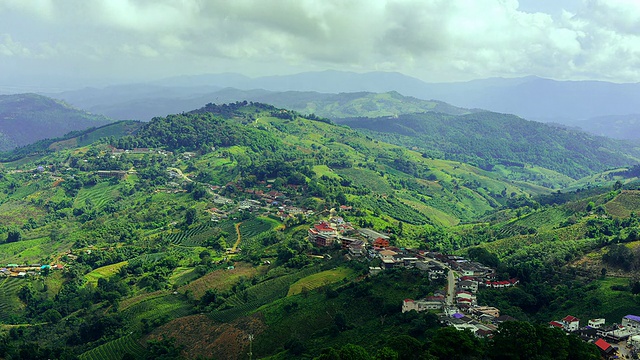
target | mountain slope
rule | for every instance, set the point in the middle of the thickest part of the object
(613, 126)
(148, 229)
(275, 142)
(27, 118)
(490, 139)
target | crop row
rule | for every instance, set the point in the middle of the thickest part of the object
(115, 350)
(99, 194)
(190, 237)
(259, 294)
(165, 307)
(9, 288)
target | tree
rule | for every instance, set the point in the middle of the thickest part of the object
(619, 256)
(52, 316)
(164, 349)
(617, 185)
(14, 235)
(340, 320)
(353, 352)
(450, 343)
(295, 347)
(483, 256)
(199, 193)
(190, 216)
(329, 354)
(386, 353)
(515, 340)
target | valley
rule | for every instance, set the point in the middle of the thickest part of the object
(193, 233)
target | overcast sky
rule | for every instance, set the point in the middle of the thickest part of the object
(116, 41)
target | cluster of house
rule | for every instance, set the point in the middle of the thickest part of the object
(336, 230)
(272, 201)
(21, 271)
(117, 152)
(482, 321)
(461, 310)
(603, 336)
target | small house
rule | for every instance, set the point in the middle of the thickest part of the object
(571, 323)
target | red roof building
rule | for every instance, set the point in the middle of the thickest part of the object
(571, 323)
(570, 319)
(380, 243)
(604, 346)
(556, 324)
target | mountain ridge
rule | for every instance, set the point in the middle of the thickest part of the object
(530, 97)
(27, 118)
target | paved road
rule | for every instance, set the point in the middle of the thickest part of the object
(451, 284)
(451, 287)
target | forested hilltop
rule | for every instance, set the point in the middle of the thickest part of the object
(244, 228)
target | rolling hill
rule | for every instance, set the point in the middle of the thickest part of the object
(492, 140)
(194, 226)
(27, 118)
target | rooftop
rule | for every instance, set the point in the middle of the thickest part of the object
(632, 317)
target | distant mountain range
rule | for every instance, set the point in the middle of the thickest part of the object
(530, 97)
(27, 118)
(533, 98)
(125, 102)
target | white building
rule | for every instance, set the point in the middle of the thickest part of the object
(596, 323)
(631, 322)
(421, 305)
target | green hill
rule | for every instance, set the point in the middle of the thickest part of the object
(27, 118)
(194, 227)
(495, 141)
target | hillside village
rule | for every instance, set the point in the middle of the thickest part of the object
(456, 304)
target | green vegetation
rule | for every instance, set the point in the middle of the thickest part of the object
(315, 281)
(116, 349)
(490, 140)
(198, 222)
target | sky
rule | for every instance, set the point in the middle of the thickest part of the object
(67, 43)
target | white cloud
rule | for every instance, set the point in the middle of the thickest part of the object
(8, 47)
(433, 39)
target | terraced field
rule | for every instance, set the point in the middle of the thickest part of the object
(195, 236)
(104, 272)
(257, 226)
(21, 250)
(260, 294)
(624, 204)
(9, 301)
(114, 350)
(320, 279)
(249, 231)
(540, 221)
(100, 194)
(219, 279)
(160, 308)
